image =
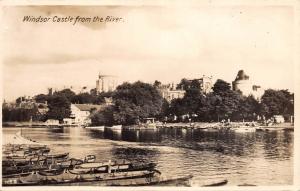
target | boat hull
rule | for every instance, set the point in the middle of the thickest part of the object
(101, 128)
(139, 179)
(71, 179)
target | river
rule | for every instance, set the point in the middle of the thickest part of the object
(258, 158)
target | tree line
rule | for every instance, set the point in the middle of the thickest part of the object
(223, 103)
(136, 101)
(58, 105)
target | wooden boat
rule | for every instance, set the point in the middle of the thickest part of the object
(217, 183)
(166, 181)
(63, 178)
(101, 128)
(17, 175)
(15, 170)
(9, 161)
(22, 151)
(58, 156)
(48, 166)
(154, 180)
(115, 127)
(113, 168)
(69, 163)
(52, 171)
(90, 158)
(39, 160)
(45, 170)
(243, 129)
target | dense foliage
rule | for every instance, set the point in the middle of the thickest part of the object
(21, 114)
(132, 102)
(135, 101)
(279, 102)
(224, 103)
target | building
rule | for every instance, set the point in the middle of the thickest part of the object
(42, 108)
(206, 84)
(243, 84)
(106, 83)
(80, 114)
(75, 89)
(169, 92)
(278, 119)
(52, 122)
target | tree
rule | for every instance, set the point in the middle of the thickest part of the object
(93, 91)
(41, 98)
(195, 84)
(100, 98)
(191, 101)
(157, 84)
(104, 117)
(277, 102)
(136, 101)
(206, 108)
(227, 101)
(84, 98)
(176, 107)
(186, 84)
(248, 108)
(19, 114)
(59, 107)
(164, 109)
(20, 99)
(67, 93)
(221, 86)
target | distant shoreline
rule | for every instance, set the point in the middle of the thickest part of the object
(22, 123)
(167, 125)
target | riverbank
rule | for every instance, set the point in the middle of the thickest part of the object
(202, 125)
(208, 155)
(22, 123)
(196, 125)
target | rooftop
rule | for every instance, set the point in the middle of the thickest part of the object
(88, 107)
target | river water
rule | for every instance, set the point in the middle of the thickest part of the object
(258, 158)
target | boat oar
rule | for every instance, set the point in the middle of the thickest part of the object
(157, 171)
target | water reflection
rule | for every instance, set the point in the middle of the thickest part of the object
(147, 136)
(136, 154)
(113, 134)
(261, 158)
(275, 144)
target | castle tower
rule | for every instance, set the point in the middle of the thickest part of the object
(242, 83)
(106, 83)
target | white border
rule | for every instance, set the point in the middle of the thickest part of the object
(181, 3)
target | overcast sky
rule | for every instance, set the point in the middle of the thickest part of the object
(152, 42)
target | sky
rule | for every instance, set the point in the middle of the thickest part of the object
(165, 43)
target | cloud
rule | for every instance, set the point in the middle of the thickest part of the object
(165, 43)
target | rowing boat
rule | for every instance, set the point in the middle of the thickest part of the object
(100, 128)
(63, 178)
(123, 167)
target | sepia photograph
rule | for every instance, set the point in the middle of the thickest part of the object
(170, 94)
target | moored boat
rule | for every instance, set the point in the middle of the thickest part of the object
(106, 168)
(58, 156)
(63, 178)
(115, 127)
(154, 180)
(101, 128)
(216, 183)
(243, 129)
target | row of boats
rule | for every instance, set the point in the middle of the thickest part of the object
(34, 164)
(102, 128)
(237, 129)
